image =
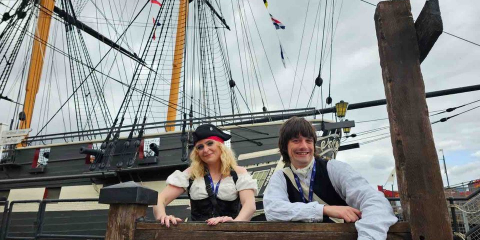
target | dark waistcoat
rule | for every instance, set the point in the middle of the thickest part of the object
(322, 187)
(204, 209)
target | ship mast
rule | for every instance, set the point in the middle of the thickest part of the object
(177, 64)
(36, 61)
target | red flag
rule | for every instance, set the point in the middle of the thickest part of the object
(153, 37)
(156, 2)
(156, 22)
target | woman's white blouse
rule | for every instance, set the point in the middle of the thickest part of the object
(227, 191)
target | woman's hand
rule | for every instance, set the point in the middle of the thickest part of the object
(216, 220)
(166, 219)
(168, 194)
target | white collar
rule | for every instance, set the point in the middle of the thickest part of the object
(303, 172)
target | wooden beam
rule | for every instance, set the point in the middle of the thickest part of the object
(121, 221)
(177, 64)
(260, 230)
(400, 227)
(429, 27)
(336, 125)
(416, 161)
(128, 202)
(42, 31)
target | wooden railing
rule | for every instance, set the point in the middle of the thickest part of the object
(259, 230)
(129, 202)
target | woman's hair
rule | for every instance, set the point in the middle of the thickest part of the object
(294, 127)
(198, 168)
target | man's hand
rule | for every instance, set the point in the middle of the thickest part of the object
(346, 213)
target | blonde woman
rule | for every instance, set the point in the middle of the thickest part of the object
(215, 184)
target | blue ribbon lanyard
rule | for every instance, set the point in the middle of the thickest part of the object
(310, 190)
(214, 188)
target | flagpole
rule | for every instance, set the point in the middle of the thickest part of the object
(445, 167)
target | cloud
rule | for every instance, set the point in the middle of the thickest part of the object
(476, 154)
(381, 162)
(450, 145)
(465, 172)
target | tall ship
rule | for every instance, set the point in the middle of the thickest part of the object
(104, 92)
(114, 96)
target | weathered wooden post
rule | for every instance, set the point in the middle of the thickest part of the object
(128, 202)
(418, 170)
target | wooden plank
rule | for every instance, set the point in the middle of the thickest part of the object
(338, 125)
(416, 160)
(429, 27)
(402, 227)
(207, 235)
(14, 133)
(174, 233)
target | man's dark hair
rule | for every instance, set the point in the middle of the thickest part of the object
(294, 127)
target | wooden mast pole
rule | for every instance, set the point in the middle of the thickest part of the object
(37, 58)
(177, 64)
(416, 161)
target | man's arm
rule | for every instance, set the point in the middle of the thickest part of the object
(377, 214)
(278, 208)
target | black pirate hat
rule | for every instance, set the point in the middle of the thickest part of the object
(208, 130)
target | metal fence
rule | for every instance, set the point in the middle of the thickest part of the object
(466, 212)
(465, 224)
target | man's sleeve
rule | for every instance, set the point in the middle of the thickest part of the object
(278, 208)
(377, 213)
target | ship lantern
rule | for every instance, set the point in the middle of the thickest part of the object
(341, 109)
(347, 129)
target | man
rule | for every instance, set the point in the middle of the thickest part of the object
(312, 189)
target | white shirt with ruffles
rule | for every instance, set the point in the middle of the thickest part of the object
(377, 213)
(227, 190)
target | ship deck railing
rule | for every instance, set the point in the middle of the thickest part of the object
(36, 225)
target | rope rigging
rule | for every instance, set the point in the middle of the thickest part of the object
(212, 64)
(387, 135)
(91, 107)
(84, 80)
(89, 102)
(266, 56)
(253, 73)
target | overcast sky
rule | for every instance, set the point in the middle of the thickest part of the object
(355, 75)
